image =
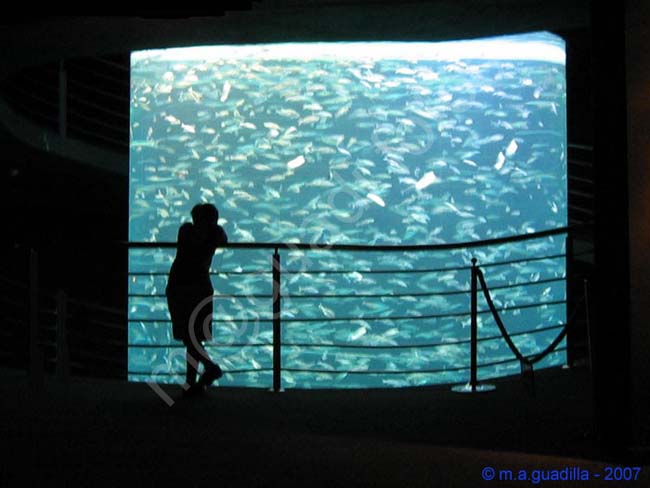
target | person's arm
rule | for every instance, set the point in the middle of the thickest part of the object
(183, 234)
(217, 236)
(223, 237)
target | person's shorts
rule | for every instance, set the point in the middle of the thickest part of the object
(191, 314)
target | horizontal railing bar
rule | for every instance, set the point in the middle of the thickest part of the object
(220, 321)
(33, 97)
(403, 371)
(102, 357)
(315, 271)
(31, 110)
(207, 344)
(72, 114)
(162, 295)
(112, 64)
(299, 370)
(522, 260)
(104, 341)
(377, 271)
(582, 194)
(13, 282)
(350, 346)
(416, 371)
(356, 319)
(360, 247)
(72, 66)
(584, 147)
(376, 295)
(527, 283)
(97, 134)
(213, 273)
(362, 295)
(579, 162)
(323, 295)
(94, 89)
(7, 301)
(583, 253)
(106, 325)
(101, 110)
(417, 346)
(417, 317)
(103, 308)
(581, 179)
(52, 86)
(581, 209)
(182, 373)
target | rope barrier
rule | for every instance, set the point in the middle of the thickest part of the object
(507, 337)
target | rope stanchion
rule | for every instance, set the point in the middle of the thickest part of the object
(526, 363)
(473, 386)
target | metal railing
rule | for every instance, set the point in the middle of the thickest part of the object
(277, 320)
(69, 335)
(47, 331)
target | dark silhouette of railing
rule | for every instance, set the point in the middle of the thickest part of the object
(70, 335)
(476, 276)
(47, 331)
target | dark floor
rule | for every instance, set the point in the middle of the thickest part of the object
(101, 433)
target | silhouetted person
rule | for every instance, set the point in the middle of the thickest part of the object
(189, 292)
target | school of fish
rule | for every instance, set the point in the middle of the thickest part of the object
(372, 151)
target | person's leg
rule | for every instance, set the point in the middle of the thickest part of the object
(191, 360)
(212, 371)
(196, 354)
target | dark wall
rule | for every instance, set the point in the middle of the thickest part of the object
(580, 110)
(638, 134)
(75, 216)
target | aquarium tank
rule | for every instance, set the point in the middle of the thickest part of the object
(369, 143)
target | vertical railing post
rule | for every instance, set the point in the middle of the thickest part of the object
(63, 100)
(588, 321)
(62, 353)
(570, 300)
(474, 329)
(277, 338)
(35, 359)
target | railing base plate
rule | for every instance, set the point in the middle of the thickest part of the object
(467, 388)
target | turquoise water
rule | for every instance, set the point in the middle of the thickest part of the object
(360, 143)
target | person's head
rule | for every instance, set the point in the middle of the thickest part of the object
(205, 213)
